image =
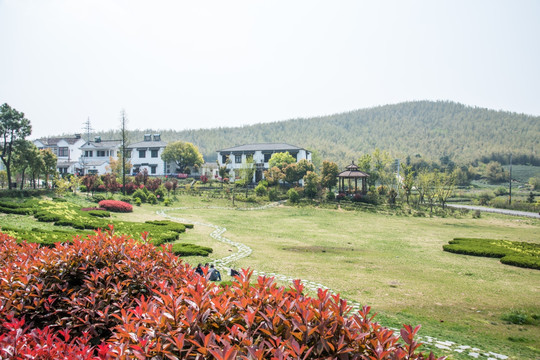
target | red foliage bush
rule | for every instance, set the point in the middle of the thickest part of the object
(121, 298)
(115, 206)
(130, 188)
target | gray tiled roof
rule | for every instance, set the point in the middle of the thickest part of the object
(55, 141)
(263, 147)
(103, 144)
(148, 144)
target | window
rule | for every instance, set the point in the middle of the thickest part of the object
(88, 153)
(100, 153)
(92, 172)
(142, 153)
(238, 159)
(153, 153)
(224, 159)
(62, 170)
(153, 169)
(63, 151)
(267, 157)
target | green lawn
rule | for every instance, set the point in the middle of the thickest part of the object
(396, 265)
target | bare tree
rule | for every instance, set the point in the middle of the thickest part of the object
(124, 138)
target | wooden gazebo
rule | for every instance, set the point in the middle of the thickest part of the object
(349, 174)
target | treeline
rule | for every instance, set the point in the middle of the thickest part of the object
(427, 129)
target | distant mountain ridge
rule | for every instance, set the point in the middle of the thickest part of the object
(430, 129)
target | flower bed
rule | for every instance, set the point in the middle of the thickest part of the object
(116, 206)
(110, 297)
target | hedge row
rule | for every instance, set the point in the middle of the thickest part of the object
(70, 215)
(111, 297)
(522, 254)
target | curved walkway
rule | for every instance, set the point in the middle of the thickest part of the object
(243, 251)
(497, 211)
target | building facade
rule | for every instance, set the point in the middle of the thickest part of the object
(67, 150)
(234, 157)
(96, 155)
(146, 155)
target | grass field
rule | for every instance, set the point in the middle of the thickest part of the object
(393, 263)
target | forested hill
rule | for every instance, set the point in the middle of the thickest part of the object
(429, 129)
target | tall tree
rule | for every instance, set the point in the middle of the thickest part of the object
(24, 153)
(49, 160)
(13, 126)
(183, 154)
(329, 174)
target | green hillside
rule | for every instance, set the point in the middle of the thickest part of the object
(427, 128)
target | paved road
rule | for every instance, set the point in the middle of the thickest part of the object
(498, 211)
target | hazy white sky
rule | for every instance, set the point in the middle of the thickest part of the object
(208, 63)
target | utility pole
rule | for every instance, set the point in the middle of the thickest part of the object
(510, 191)
(123, 133)
(88, 128)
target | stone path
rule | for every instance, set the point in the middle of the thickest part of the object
(243, 251)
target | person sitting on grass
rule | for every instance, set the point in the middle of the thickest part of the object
(213, 274)
(199, 270)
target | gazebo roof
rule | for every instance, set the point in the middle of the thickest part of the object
(352, 172)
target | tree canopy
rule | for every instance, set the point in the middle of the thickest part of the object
(13, 126)
(183, 154)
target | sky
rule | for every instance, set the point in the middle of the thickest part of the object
(174, 64)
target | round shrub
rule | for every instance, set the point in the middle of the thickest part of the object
(293, 196)
(273, 195)
(138, 201)
(83, 188)
(330, 196)
(260, 190)
(116, 206)
(160, 192)
(152, 199)
(139, 193)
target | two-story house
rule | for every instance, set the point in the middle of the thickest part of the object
(95, 157)
(67, 150)
(147, 155)
(261, 153)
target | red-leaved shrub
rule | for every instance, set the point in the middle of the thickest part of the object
(116, 205)
(126, 299)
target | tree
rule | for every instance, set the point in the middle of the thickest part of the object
(329, 174)
(37, 165)
(118, 166)
(183, 154)
(312, 182)
(446, 184)
(3, 178)
(303, 167)
(273, 175)
(407, 181)
(281, 160)
(25, 156)
(247, 170)
(49, 160)
(426, 185)
(290, 173)
(495, 172)
(13, 126)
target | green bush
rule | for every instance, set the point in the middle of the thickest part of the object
(99, 213)
(139, 193)
(152, 199)
(161, 192)
(167, 202)
(293, 196)
(514, 253)
(330, 196)
(190, 250)
(126, 198)
(138, 201)
(260, 189)
(98, 197)
(82, 188)
(521, 318)
(273, 195)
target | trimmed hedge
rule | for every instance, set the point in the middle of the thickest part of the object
(116, 206)
(111, 297)
(190, 250)
(516, 253)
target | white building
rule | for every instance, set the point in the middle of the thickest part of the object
(67, 150)
(234, 157)
(95, 157)
(147, 155)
